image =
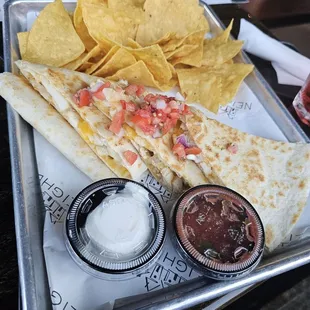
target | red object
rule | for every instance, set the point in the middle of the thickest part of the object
(98, 93)
(192, 150)
(131, 90)
(168, 125)
(128, 105)
(140, 90)
(130, 157)
(301, 103)
(117, 122)
(83, 98)
(179, 150)
(144, 124)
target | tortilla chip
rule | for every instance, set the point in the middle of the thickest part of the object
(84, 66)
(155, 60)
(131, 8)
(132, 43)
(81, 28)
(212, 87)
(94, 55)
(214, 55)
(105, 24)
(121, 59)
(139, 73)
(194, 57)
(52, 39)
(220, 49)
(180, 52)
(22, 42)
(103, 60)
(224, 36)
(176, 16)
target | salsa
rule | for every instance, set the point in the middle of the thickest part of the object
(218, 227)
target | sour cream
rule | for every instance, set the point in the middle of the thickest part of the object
(121, 223)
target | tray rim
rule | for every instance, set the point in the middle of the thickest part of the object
(32, 298)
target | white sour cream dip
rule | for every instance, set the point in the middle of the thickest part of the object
(121, 224)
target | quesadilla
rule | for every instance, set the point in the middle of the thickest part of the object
(58, 87)
(51, 125)
(273, 176)
(66, 87)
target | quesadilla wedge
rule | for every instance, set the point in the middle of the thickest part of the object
(273, 176)
(69, 83)
(51, 125)
(58, 87)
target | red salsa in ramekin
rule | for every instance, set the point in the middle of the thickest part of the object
(219, 231)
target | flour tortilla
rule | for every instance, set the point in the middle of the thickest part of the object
(67, 82)
(94, 141)
(51, 125)
(61, 84)
(273, 176)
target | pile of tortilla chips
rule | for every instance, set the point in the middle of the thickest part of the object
(157, 43)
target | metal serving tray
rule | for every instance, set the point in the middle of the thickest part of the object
(29, 209)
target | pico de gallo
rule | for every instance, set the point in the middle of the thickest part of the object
(154, 114)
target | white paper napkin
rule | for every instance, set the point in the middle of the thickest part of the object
(213, 2)
(292, 68)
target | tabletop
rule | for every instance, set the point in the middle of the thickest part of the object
(273, 294)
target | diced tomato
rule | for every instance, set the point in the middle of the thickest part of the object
(98, 93)
(167, 110)
(179, 150)
(140, 90)
(131, 90)
(173, 104)
(168, 124)
(83, 98)
(150, 98)
(140, 120)
(128, 105)
(192, 150)
(131, 106)
(186, 110)
(117, 122)
(123, 103)
(162, 115)
(174, 115)
(144, 124)
(174, 121)
(130, 157)
(156, 120)
(144, 113)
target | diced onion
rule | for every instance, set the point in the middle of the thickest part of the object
(179, 97)
(157, 133)
(191, 157)
(112, 95)
(160, 104)
(95, 87)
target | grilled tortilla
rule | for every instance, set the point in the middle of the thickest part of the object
(63, 84)
(51, 125)
(273, 176)
(58, 86)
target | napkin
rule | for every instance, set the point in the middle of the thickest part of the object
(214, 2)
(292, 68)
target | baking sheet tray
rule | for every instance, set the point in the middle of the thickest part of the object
(29, 208)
